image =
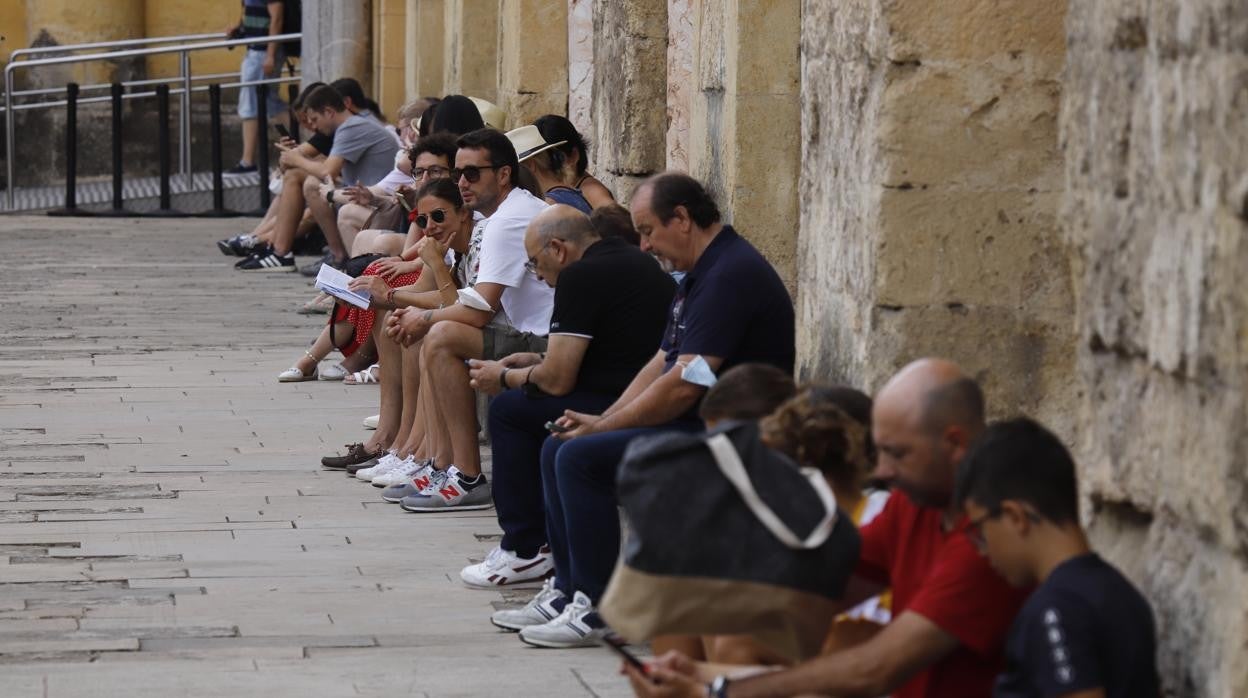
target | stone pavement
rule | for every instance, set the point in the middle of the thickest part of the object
(165, 527)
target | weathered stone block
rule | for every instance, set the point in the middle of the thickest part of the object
(973, 29)
(629, 86)
(533, 58)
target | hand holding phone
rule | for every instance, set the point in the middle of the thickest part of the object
(554, 428)
(282, 130)
(619, 647)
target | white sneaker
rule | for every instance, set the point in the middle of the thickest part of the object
(578, 626)
(503, 568)
(407, 468)
(542, 609)
(384, 464)
(371, 422)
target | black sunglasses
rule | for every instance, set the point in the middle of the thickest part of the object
(472, 173)
(438, 215)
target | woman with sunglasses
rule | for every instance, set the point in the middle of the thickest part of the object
(445, 225)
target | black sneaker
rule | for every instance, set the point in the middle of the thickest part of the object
(240, 168)
(315, 267)
(237, 246)
(267, 260)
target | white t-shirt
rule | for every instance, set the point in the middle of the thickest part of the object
(394, 180)
(527, 301)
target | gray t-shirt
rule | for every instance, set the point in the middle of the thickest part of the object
(368, 149)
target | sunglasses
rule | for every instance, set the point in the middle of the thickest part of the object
(472, 173)
(438, 215)
(434, 172)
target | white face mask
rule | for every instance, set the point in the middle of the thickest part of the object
(399, 155)
(698, 372)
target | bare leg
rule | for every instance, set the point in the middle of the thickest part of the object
(437, 440)
(251, 134)
(411, 432)
(324, 215)
(446, 347)
(391, 379)
(321, 347)
(289, 212)
(351, 218)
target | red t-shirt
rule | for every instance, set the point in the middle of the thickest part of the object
(942, 577)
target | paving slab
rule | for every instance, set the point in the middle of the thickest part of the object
(165, 528)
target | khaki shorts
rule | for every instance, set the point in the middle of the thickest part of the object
(499, 342)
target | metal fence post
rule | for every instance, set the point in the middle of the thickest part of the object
(119, 206)
(262, 146)
(218, 209)
(71, 156)
(163, 137)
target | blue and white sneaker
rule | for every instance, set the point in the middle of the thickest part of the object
(578, 626)
(451, 491)
(542, 609)
(416, 482)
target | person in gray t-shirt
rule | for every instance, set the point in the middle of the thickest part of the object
(363, 152)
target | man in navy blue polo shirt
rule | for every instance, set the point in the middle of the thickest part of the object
(731, 308)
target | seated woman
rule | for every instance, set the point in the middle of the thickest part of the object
(547, 167)
(575, 150)
(352, 327)
(446, 224)
(826, 428)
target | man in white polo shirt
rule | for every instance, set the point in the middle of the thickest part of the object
(505, 312)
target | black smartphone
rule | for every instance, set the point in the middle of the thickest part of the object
(557, 428)
(619, 647)
(282, 130)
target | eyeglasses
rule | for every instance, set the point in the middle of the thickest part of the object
(975, 528)
(435, 172)
(531, 265)
(438, 215)
(472, 173)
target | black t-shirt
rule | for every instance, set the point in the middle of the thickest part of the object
(323, 144)
(733, 305)
(616, 296)
(1085, 627)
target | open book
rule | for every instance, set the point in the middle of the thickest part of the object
(334, 282)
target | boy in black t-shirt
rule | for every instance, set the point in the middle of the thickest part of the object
(1085, 632)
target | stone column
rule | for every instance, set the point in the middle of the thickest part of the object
(630, 87)
(737, 116)
(1155, 128)
(581, 65)
(390, 55)
(471, 48)
(426, 40)
(532, 59)
(930, 181)
(337, 41)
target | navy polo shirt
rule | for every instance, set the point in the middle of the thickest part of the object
(733, 305)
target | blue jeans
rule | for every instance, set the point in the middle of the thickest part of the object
(517, 430)
(253, 69)
(582, 520)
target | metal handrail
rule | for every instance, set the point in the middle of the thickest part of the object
(18, 53)
(108, 85)
(152, 93)
(184, 52)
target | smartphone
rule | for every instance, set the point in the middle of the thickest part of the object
(618, 646)
(557, 428)
(282, 130)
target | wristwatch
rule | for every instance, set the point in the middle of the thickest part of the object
(718, 687)
(329, 196)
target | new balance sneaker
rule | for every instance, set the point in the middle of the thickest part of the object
(401, 474)
(237, 246)
(267, 260)
(384, 464)
(542, 609)
(451, 491)
(415, 485)
(578, 626)
(356, 453)
(503, 568)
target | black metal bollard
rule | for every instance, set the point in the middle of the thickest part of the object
(118, 209)
(163, 137)
(71, 156)
(218, 183)
(262, 146)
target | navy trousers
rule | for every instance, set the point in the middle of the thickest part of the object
(517, 430)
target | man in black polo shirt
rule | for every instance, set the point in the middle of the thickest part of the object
(610, 305)
(731, 308)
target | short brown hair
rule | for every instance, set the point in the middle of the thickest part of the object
(614, 221)
(747, 392)
(828, 428)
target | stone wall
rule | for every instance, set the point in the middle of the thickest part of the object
(1155, 127)
(533, 59)
(930, 181)
(337, 41)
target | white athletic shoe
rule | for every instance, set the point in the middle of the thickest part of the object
(578, 626)
(406, 469)
(371, 422)
(542, 609)
(503, 568)
(384, 464)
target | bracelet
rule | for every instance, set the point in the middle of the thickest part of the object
(329, 197)
(390, 296)
(502, 378)
(428, 316)
(718, 688)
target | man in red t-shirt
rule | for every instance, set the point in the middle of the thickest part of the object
(951, 611)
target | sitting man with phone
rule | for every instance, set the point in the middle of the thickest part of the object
(611, 302)
(731, 308)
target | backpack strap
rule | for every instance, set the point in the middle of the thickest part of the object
(729, 462)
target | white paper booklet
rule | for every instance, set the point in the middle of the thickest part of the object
(334, 282)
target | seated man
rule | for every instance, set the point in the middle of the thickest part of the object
(1086, 632)
(732, 308)
(510, 313)
(611, 302)
(950, 610)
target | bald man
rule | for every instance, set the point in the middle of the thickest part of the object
(610, 307)
(951, 611)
